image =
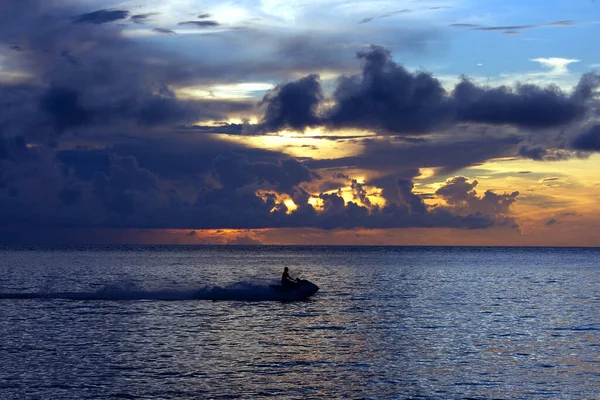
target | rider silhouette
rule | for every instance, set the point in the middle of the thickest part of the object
(286, 280)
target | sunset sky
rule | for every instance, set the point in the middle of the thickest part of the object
(417, 122)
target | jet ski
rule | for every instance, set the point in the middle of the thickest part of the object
(301, 290)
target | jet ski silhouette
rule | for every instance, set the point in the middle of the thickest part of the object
(298, 290)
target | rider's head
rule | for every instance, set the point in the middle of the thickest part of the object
(286, 269)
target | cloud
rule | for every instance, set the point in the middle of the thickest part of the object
(369, 19)
(557, 65)
(142, 18)
(464, 25)
(94, 136)
(85, 76)
(514, 28)
(63, 104)
(101, 17)
(293, 105)
(164, 30)
(200, 24)
(389, 98)
(446, 156)
(461, 196)
(244, 240)
(588, 140)
(233, 171)
(223, 128)
(100, 189)
(551, 222)
(541, 153)
(528, 106)
(502, 28)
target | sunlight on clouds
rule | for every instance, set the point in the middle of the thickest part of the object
(229, 13)
(9, 76)
(373, 194)
(425, 173)
(234, 91)
(280, 198)
(557, 65)
(297, 145)
(347, 193)
(316, 202)
(282, 9)
(172, 11)
(289, 203)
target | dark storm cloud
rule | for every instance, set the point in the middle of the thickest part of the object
(528, 106)
(534, 152)
(360, 192)
(101, 17)
(293, 105)
(93, 76)
(71, 108)
(20, 111)
(224, 128)
(407, 197)
(75, 147)
(394, 186)
(235, 171)
(386, 155)
(83, 163)
(588, 140)
(63, 104)
(461, 196)
(387, 97)
(128, 187)
(184, 160)
(541, 153)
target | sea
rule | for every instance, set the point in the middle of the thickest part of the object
(196, 322)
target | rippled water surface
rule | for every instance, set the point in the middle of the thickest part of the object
(387, 323)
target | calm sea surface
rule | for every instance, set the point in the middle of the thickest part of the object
(388, 322)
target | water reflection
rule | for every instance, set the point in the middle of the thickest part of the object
(386, 324)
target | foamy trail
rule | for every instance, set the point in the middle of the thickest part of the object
(242, 291)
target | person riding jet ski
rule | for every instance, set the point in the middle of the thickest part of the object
(287, 280)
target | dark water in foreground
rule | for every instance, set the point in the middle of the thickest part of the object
(440, 323)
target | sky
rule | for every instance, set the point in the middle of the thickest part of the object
(329, 122)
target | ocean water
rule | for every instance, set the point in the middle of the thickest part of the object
(129, 322)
